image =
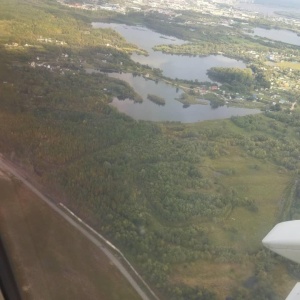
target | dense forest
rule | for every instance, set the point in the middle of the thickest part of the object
(156, 99)
(187, 203)
(241, 80)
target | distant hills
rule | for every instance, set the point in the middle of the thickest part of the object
(283, 3)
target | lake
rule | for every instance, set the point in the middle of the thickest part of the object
(268, 10)
(173, 66)
(173, 110)
(284, 36)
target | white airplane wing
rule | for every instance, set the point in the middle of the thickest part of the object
(284, 239)
(295, 293)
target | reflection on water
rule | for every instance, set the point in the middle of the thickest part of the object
(173, 66)
(172, 110)
(184, 67)
(140, 36)
(284, 36)
(268, 10)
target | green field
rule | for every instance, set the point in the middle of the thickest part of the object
(289, 65)
(240, 229)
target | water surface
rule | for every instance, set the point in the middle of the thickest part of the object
(173, 110)
(173, 66)
(267, 10)
(279, 35)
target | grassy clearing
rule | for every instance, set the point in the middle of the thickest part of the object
(51, 259)
(288, 65)
(222, 277)
(219, 277)
(283, 282)
(242, 229)
(264, 184)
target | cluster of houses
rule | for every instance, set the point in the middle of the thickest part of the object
(40, 64)
(50, 40)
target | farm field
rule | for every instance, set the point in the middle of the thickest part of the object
(50, 259)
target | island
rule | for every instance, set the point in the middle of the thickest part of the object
(156, 99)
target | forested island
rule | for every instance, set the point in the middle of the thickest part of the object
(156, 99)
(188, 204)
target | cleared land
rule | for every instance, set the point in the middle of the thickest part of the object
(241, 229)
(51, 259)
(289, 65)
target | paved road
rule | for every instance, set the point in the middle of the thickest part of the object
(6, 166)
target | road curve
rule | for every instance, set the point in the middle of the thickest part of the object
(8, 167)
